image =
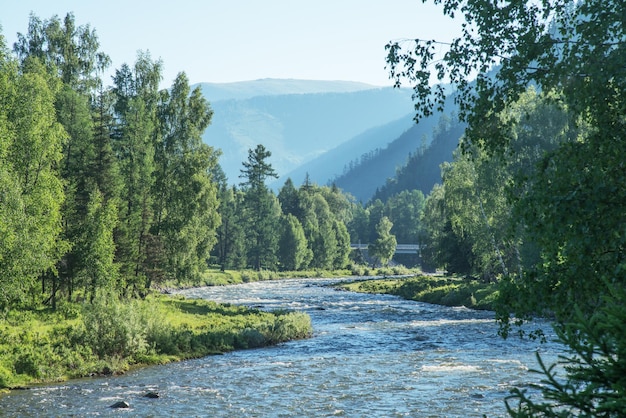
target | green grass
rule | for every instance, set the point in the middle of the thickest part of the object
(109, 337)
(432, 289)
(215, 277)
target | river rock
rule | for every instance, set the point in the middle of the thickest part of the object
(152, 395)
(120, 405)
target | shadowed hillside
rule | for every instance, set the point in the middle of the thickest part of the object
(410, 162)
(423, 169)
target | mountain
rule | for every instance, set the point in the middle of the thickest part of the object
(410, 162)
(423, 169)
(370, 162)
(295, 127)
(323, 169)
(277, 87)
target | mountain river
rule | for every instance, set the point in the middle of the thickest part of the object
(369, 356)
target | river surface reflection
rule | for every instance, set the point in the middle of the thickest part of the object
(370, 356)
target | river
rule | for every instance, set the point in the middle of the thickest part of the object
(370, 356)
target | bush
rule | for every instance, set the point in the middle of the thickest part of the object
(28, 363)
(68, 310)
(5, 377)
(288, 326)
(114, 329)
(252, 338)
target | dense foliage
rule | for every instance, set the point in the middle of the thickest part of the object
(108, 189)
(562, 253)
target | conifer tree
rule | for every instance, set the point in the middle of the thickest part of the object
(230, 247)
(136, 92)
(262, 209)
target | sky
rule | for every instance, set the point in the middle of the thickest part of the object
(238, 40)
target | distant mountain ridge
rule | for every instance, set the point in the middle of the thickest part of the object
(276, 87)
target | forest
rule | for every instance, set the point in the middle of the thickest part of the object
(110, 191)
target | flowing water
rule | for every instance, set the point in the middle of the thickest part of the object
(370, 356)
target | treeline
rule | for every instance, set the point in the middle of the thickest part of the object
(300, 228)
(111, 190)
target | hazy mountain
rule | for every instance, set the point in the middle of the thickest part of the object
(326, 167)
(273, 87)
(373, 160)
(296, 128)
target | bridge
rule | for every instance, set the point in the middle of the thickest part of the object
(400, 248)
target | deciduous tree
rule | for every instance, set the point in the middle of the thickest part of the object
(185, 195)
(573, 207)
(384, 246)
(31, 189)
(292, 246)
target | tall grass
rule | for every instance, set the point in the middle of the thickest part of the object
(112, 335)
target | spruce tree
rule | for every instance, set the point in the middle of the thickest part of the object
(262, 209)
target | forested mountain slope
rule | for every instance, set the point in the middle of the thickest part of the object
(410, 162)
(423, 168)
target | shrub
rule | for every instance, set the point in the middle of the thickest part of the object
(252, 338)
(5, 377)
(27, 362)
(114, 329)
(68, 310)
(287, 326)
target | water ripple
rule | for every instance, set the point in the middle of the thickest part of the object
(371, 355)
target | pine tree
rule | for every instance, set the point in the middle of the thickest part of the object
(262, 209)
(230, 247)
(135, 93)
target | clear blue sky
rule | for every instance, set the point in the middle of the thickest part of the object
(236, 40)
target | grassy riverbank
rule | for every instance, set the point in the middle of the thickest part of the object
(104, 338)
(439, 290)
(216, 277)
(80, 340)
